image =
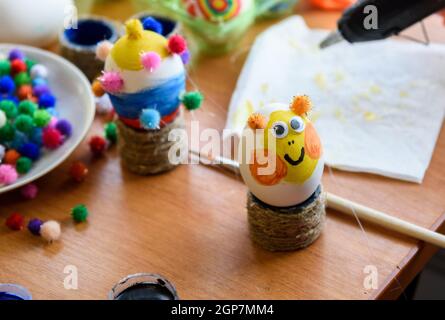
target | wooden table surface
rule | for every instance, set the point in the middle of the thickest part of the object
(190, 224)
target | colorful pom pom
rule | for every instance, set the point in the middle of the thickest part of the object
(151, 24)
(5, 67)
(185, 57)
(64, 127)
(111, 132)
(97, 88)
(25, 92)
(79, 213)
(3, 118)
(98, 145)
(9, 108)
(11, 157)
(15, 221)
(18, 66)
(7, 85)
(39, 82)
(23, 165)
(8, 174)
(103, 50)
(7, 133)
(47, 100)
(300, 105)
(177, 44)
(150, 119)
(29, 191)
(29, 63)
(27, 107)
(38, 71)
(151, 61)
(78, 171)
(192, 100)
(41, 89)
(52, 138)
(24, 123)
(30, 150)
(21, 79)
(41, 118)
(16, 54)
(112, 82)
(34, 226)
(50, 230)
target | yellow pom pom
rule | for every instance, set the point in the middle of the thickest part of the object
(301, 105)
(134, 29)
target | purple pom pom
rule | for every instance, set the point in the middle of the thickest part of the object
(185, 57)
(29, 191)
(16, 54)
(34, 226)
(64, 127)
(40, 89)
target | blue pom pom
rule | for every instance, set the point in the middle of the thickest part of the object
(30, 150)
(7, 85)
(47, 100)
(39, 82)
(64, 127)
(152, 24)
(36, 136)
(19, 140)
(53, 112)
(150, 119)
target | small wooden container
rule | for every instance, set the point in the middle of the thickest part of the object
(146, 152)
(286, 229)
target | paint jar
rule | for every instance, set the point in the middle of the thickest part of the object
(10, 291)
(78, 44)
(143, 286)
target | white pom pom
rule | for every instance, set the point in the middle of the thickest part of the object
(50, 230)
(2, 152)
(103, 104)
(2, 118)
(39, 71)
(103, 49)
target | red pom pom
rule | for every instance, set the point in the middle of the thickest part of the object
(18, 66)
(98, 145)
(177, 44)
(78, 171)
(15, 221)
(52, 138)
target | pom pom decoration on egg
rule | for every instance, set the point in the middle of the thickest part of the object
(283, 166)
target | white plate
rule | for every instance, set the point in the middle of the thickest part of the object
(75, 102)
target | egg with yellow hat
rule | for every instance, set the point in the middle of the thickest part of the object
(281, 154)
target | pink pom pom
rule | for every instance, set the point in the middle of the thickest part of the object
(177, 44)
(8, 174)
(112, 82)
(52, 138)
(52, 123)
(103, 50)
(151, 61)
(29, 191)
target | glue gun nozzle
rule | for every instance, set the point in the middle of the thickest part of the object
(331, 39)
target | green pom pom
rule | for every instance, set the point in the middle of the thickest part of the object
(7, 133)
(23, 165)
(21, 79)
(5, 67)
(29, 64)
(192, 100)
(41, 118)
(111, 132)
(24, 123)
(79, 213)
(27, 107)
(8, 108)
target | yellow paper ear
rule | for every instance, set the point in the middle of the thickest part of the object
(301, 105)
(257, 121)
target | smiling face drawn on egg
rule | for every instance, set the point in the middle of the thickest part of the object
(296, 144)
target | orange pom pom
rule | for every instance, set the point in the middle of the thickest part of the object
(24, 92)
(11, 157)
(301, 105)
(257, 121)
(97, 88)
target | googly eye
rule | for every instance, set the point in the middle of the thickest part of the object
(280, 129)
(297, 124)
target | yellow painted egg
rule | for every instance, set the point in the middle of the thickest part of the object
(280, 154)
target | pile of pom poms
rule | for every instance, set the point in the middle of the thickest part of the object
(49, 230)
(29, 123)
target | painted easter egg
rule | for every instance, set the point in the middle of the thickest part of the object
(144, 71)
(216, 10)
(281, 154)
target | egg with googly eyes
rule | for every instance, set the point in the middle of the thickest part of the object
(280, 154)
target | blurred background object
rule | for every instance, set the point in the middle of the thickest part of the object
(332, 4)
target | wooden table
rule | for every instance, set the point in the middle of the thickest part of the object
(190, 224)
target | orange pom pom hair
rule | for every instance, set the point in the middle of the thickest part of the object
(257, 121)
(97, 88)
(301, 105)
